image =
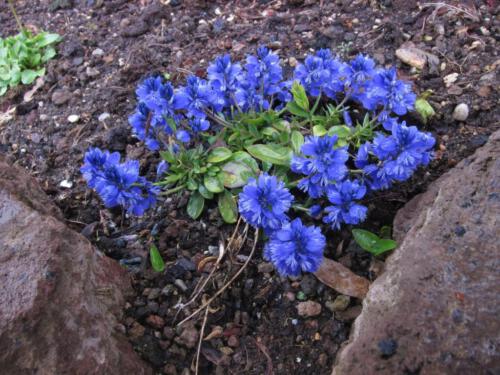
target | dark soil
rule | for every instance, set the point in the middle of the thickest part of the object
(109, 46)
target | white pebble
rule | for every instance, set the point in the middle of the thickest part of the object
(461, 112)
(97, 52)
(73, 118)
(66, 184)
(104, 116)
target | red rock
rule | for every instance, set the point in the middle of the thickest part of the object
(435, 308)
(308, 308)
(60, 297)
(155, 321)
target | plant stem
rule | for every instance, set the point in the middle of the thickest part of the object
(296, 207)
(173, 190)
(18, 20)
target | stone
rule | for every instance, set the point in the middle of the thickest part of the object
(450, 79)
(435, 308)
(155, 321)
(97, 52)
(308, 309)
(265, 267)
(461, 112)
(73, 118)
(60, 299)
(103, 116)
(341, 303)
(188, 337)
(67, 184)
(92, 72)
(413, 56)
(60, 97)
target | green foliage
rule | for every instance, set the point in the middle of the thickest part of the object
(156, 260)
(424, 109)
(22, 57)
(372, 243)
(251, 143)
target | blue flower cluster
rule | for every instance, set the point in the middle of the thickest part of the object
(118, 184)
(359, 80)
(293, 248)
(164, 112)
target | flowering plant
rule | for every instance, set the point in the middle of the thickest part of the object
(332, 134)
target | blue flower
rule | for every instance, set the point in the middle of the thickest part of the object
(156, 127)
(162, 168)
(322, 74)
(345, 209)
(295, 248)
(156, 95)
(395, 95)
(183, 136)
(118, 184)
(196, 97)
(223, 76)
(264, 202)
(324, 164)
(199, 125)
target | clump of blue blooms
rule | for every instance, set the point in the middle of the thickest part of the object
(264, 202)
(323, 164)
(118, 184)
(295, 248)
(334, 172)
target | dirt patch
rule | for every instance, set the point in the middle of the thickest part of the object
(110, 45)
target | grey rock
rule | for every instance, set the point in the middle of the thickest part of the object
(461, 112)
(435, 308)
(60, 97)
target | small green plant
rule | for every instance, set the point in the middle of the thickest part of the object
(22, 56)
(372, 243)
(156, 260)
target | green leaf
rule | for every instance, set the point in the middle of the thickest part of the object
(214, 183)
(49, 53)
(271, 153)
(297, 141)
(195, 205)
(424, 109)
(294, 109)
(300, 96)
(219, 154)
(44, 39)
(319, 130)
(244, 157)
(371, 242)
(340, 131)
(204, 192)
(270, 131)
(156, 259)
(236, 174)
(227, 207)
(28, 76)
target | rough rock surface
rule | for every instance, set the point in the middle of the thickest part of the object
(59, 297)
(435, 308)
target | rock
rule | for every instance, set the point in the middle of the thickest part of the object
(308, 309)
(233, 341)
(97, 52)
(188, 337)
(342, 279)
(92, 72)
(60, 297)
(340, 303)
(60, 97)
(73, 118)
(413, 56)
(67, 184)
(103, 117)
(461, 112)
(155, 321)
(265, 267)
(450, 79)
(136, 331)
(435, 308)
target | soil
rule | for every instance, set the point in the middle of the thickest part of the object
(109, 46)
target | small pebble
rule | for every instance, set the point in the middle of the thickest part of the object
(308, 309)
(73, 118)
(461, 112)
(104, 116)
(97, 52)
(180, 284)
(67, 184)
